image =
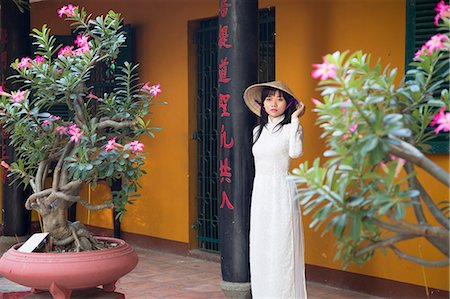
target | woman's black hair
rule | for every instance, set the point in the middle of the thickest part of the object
(264, 118)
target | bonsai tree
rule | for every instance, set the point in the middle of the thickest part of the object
(374, 129)
(99, 140)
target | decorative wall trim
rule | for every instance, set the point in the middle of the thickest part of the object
(369, 284)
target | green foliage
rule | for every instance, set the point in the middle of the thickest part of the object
(61, 75)
(363, 115)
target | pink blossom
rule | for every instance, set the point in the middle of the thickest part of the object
(436, 42)
(400, 163)
(45, 123)
(154, 89)
(75, 137)
(111, 145)
(61, 130)
(55, 117)
(92, 96)
(18, 96)
(437, 117)
(442, 120)
(345, 136)
(39, 59)
(25, 62)
(82, 40)
(137, 146)
(67, 10)
(5, 165)
(353, 128)
(66, 51)
(324, 70)
(83, 43)
(421, 51)
(74, 133)
(442, 10)
(443, 123)
(316, 102)
(384, 167)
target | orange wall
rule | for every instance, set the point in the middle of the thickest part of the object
(306, 30)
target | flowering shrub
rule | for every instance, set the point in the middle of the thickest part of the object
(373, 130)
(99, 142)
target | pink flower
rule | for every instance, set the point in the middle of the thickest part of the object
(442, 10)
(437, 117)
(74, 133)
(137, 146)
(154, 89)
(400, 163)
(443, 123)
(435, 42)
(345, 136)
(18, 96)
(25, 62)
(384, 167)
(353, 128)
(39, 59)
(67, 10)
(92, 96)
(75, 137)
(61, 130)
(5, 165)
(324, 71)
(82, 41)
(316, 102)
(55, 117)
(111, 145)
(420, 52)
(45, 123)
(66, 51)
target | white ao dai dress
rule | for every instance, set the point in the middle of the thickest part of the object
(276, 238)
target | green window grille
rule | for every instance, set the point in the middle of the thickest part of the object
(419, 28)
(207, 135)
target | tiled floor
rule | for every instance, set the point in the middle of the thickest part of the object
(164, 275)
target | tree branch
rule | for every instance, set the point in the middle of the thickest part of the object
(72, 198)
(384, 243)
(409, 152)
(417, 207)
(432, 207)
(441, 263)
(116, 125)
(56, 173)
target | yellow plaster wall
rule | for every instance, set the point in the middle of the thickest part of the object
(306, 30)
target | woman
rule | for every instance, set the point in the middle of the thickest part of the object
(276, 239)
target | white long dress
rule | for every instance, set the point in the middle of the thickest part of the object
(276, 236)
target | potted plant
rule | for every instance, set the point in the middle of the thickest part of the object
(99, 140)
(374, 129)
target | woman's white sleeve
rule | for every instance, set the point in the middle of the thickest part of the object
(295, 139)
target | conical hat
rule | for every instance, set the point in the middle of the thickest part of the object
(252, 95)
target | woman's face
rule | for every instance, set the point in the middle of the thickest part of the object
(275, 104)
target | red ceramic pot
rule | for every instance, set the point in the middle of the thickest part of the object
(60, 273)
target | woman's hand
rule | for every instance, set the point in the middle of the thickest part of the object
(299, 112)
